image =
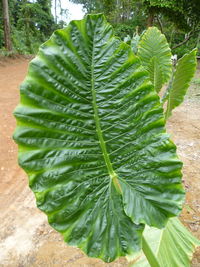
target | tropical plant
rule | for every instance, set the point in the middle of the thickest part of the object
(180, 81)
(155, 55)
(91, 136)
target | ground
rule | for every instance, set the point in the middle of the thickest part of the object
(26, 239)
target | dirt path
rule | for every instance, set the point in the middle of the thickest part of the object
(26, 240)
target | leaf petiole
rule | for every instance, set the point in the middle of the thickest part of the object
(149, 254)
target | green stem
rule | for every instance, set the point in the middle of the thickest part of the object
(168, 89)
(167, 95)
(149, 254)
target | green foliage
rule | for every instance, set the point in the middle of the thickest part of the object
(91, 136)
(6, 53)
(185, 14)
(155, 56)
(183, 75)
(31, 24)
(124, 15)
(33, 19)
(186, 48)
(154, 53)
(175, 5)
(122, 30)
(172, 246)
(24, 46)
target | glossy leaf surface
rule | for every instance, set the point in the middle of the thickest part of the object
(153, 44)
(184, 73)
(91, 138)
(172, 246)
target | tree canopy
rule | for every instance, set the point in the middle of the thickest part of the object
(32, 22)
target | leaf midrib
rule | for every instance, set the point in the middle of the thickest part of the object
(106, 157)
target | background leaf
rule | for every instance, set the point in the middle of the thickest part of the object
(155, 55)
(184, 73)
(91, 138)
(173, 246)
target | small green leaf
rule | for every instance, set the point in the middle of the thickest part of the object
(183, 75)
(155, 55)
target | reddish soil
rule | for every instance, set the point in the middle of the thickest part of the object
(26, 239)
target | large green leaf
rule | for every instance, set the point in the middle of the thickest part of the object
(172, 246)
(91, 138)
(182, 77)
(155, 55)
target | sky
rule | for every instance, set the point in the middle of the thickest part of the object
(75, 11)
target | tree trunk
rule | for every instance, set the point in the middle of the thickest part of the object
(150, 18)
(7, 38)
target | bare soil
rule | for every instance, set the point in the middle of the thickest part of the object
(26, 239)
